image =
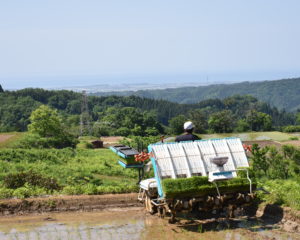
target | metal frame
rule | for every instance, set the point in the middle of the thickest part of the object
(249, 179)
(156, 173)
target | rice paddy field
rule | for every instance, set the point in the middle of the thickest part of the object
(253, 136)
(135, 224)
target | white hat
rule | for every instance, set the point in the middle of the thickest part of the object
(188, 125)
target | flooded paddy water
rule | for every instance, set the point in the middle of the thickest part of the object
(132, 223)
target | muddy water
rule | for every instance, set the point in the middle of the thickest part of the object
(132, 224)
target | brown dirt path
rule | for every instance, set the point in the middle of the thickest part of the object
(292, 142)
(4, 137)
(110, 141)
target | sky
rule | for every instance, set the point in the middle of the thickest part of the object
(64, 42)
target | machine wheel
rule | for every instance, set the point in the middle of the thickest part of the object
(149, 206)
(172, 219)
(161, 212)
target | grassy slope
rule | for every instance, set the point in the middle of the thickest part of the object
(82, 171)
(79, 171)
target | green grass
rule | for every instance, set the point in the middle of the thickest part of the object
(81, 171)
(85, 142)
(10, 141)
(251, 136)
(282, 192)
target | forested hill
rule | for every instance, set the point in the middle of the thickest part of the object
(115, 112)
(283, 94)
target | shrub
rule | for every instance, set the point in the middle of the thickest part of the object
(30, 140)
(269, 162)
(17, 180)
(34, 155)
(123, 131)
(72, 190)
(292, 128)
(88, 145)
(22, 192)
(81, 178)
(6, 193)
(140, 143)
(286, 192)
(89, 189)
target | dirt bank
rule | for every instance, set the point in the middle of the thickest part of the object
(66, 203)
(286, 218)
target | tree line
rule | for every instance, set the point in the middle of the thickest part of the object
(284, 94)
(139, 116)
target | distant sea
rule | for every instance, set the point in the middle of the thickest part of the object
(136, 82)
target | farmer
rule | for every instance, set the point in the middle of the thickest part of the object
(188, 135)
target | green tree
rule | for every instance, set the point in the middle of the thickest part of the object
(259, 121)
(259, 159)
(1, 89)
(123, 131)
(221, 122)
(176, 124)
(49, 130)
(102, 129)
(45, 122)
(242, 126)
(298, 118)
(199, 118)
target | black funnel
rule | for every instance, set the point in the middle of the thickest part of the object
(219, 161)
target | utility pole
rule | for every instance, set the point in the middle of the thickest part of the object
(85, 127)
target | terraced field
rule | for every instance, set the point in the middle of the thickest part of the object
(253, 136)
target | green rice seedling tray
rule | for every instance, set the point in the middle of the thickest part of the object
(200, 186)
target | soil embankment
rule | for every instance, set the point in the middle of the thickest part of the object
(288, 219)
(67, 203)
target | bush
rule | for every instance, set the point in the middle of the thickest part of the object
(17, 180)
(122, 131)
(30, 140)
(72, 190)
(81, 178)
(140, 143)
(6, 193)
(52, 156)
(22, 192)
(28, 191)
(293, 138)
(88, 145)
(286, 192)
(89, 189)
(268, 162)
(242, 126)
(292, 128)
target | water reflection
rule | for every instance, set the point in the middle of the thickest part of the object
(62, 231)
(130, 224)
